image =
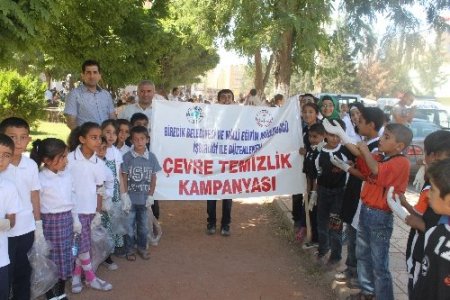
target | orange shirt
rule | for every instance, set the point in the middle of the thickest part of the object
(391, 172)
(422, 204)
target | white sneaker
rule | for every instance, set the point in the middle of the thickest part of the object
(112, 266)
(76, 285)
(100, 285)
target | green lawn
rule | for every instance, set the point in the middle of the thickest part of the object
(49, 129)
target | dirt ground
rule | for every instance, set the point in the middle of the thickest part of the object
(256, 262)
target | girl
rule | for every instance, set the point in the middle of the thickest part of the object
(113, 160)
(123, 133)
(88, 175)
(329, 107)
(352, 120)
(59, 218)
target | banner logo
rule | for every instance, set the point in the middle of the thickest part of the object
(263, 118)
(195, 114)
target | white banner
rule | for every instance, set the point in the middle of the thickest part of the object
(213, 151)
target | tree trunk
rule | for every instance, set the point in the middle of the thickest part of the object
(259, 85)
(283, 69)
(268, 69)
(48, 79)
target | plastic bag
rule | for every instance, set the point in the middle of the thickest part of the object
(118, 220)
(154, 229)
(102, 245)
(44, 273)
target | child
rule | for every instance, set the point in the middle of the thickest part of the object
(422, 217)
(88, 174)
(434, 278)
(330, 190)
(113, 160)
(107, 193)
(316, 135)
(9, 206)
(23, 172)
(370, 121)
(123, 133)
(310, 111)
(140, 119)
(139, 160)
(59, 218)
(375, 219)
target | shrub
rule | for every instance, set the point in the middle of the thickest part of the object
(21, 96)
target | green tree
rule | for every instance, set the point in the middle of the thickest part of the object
(21, 22)
(21, 96)
(336, 71)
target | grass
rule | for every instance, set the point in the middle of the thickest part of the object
(48, 129)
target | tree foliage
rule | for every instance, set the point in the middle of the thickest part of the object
(21, 22)
(21, 96)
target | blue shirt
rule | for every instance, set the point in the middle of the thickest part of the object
(87, 106)
(139, 169)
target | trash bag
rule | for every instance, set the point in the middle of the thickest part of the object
(154, 229)
(44, 273)
(118, 220)
(102, 245)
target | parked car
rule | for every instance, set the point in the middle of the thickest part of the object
(415, 152)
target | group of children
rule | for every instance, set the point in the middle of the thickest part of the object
(62, 190)
(347, 189)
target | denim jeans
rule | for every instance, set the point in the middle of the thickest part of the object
(329, 201)
(137, 223)
(350, 262)
(226, 211)
(372, 252)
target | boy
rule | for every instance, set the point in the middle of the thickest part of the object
(316, 135)
(139, 176)
(370, 122)
(422, 217)
(8, 208)
(434, 278)
(28, 227)
(330, 190)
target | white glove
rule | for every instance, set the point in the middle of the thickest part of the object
(305, 198)
(97, 220)
(312, 200)
(106, 204)
(4, 225)
(419, 180)
(76, 223)
(126, 202)
(339, 163)
(150, 201)
(39, 231)
(336, 129)
(394, 203)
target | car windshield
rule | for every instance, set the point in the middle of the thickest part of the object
(422, 129)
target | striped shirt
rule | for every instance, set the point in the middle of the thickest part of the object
(89, 106)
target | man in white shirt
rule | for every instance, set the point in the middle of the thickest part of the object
(146, 92)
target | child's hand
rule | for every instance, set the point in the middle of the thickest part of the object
(126, 202)
(362, 146)
(302, 151)
(415, 222)
(393, 201)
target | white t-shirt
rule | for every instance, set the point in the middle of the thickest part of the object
(112, 153)
(131, 109)
(87, 174)
(124, 149)
(9, 204)
(56, 191)
(26, 178)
